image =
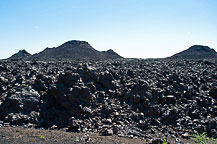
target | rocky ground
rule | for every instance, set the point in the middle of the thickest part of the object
(130, 98)
(9, 135)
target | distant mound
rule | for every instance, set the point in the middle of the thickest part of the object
(196, 52)
(22, 54)
(111, 54)
(74, 50)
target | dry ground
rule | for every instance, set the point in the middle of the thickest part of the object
(10, 135)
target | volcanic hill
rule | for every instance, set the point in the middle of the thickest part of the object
(22, 54)
(196, 52)
(73, 50)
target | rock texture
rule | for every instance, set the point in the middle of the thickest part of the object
(128, 97)
(73, 50)
(22, 54)
(196, 52)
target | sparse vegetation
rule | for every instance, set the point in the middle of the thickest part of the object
(42, 137)
(76, 139)
(164, 141)
(203, 139)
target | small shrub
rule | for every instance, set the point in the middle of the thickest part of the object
(203, 139)
(77, 139)
(42, 137)
(164, 141)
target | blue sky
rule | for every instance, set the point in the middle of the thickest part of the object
(133, 28)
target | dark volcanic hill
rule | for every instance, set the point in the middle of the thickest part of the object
(74, 50)
(196, 52)
(22, 54)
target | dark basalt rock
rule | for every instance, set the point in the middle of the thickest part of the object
(2, 89)
(213, 93)
(124, 97)
(107, 132)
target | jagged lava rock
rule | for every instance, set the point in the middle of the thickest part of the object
(124, 97)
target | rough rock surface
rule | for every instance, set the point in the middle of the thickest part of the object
(127, 98)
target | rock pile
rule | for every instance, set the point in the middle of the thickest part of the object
(129, 98)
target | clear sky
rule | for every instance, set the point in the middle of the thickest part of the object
(132, 28)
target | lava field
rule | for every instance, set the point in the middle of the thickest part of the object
(125, 97)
